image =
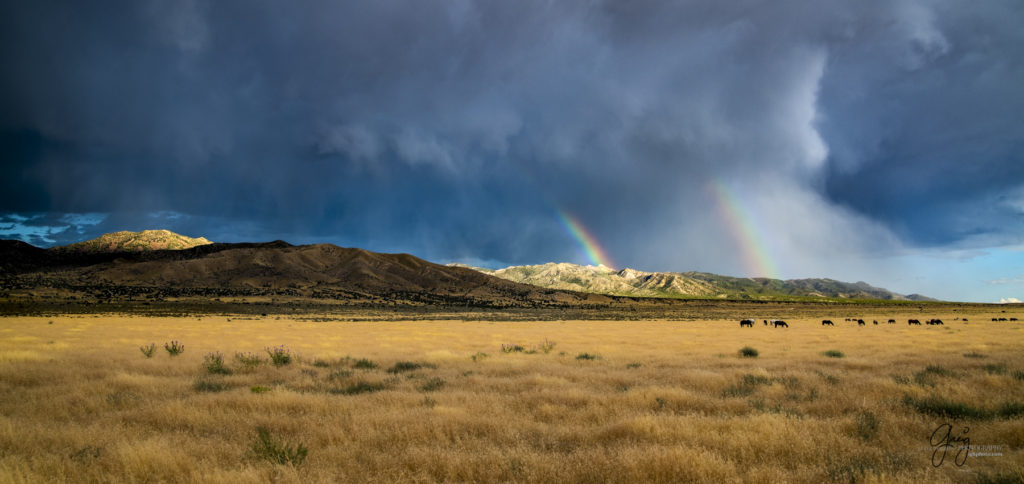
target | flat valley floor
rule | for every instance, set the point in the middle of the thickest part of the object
(563, 401)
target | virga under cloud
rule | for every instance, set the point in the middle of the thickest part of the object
(859, 140)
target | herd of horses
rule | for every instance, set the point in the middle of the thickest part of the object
(778, 323)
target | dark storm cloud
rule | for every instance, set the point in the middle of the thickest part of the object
(456, 129)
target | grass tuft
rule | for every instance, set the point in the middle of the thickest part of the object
(268, 448)
(941, 407)
(834, 354)
(748, 352)
(926, 377)
(588, 356)
(364, 364)
(432, 385)
(995, 369)
(148, 350)
(403, 366)
(867, 424)
(360, 387)
(203, 385)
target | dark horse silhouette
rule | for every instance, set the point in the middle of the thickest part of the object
(860, 322)
(779, 322)
(827, 322)
(913, 321)
(747, 322)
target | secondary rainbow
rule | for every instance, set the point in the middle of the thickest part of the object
(595, 254)
(753, 251)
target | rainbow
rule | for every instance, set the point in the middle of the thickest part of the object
(595, 254)
(737, 218)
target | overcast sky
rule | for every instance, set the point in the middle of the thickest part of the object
(858, 140)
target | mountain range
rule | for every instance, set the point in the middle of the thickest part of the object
(160, 264)
(630, 282)
(116, 266)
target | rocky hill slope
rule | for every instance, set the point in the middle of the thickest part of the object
(144, 241)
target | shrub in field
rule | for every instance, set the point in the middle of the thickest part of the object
(148, 350)
(478, 356)
(403, 366)
(339, 374)
(273, 450)
(259, 389)
(512, 348)
(633, 365)
(830, 379)
(321, 363)
(279, 356)
(214, 364)
(203, 385)
(748, 352)
(1018, 375)
(867, 424)
(547, 346)
(364, 364)
(432, 384)
(995, 369)
(174, 348)
(588, 356)
(834, 354)
(249, 360)
(360, 387)
(973, 354)
(927, 375)
(941, 407)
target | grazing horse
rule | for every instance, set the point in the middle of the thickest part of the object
(860, 322)
(779, 322)
(875, 322)
(913, 321)
(827, 322)
(892, 321)
(747, 322)
(965, 320)
(1013, 319)
(766, 322)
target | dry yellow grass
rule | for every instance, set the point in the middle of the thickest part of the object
(666, 401)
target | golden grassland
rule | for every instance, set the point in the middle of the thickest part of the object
(662, 401)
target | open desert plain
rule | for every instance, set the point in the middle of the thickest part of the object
(520, 241)
(84, 398)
